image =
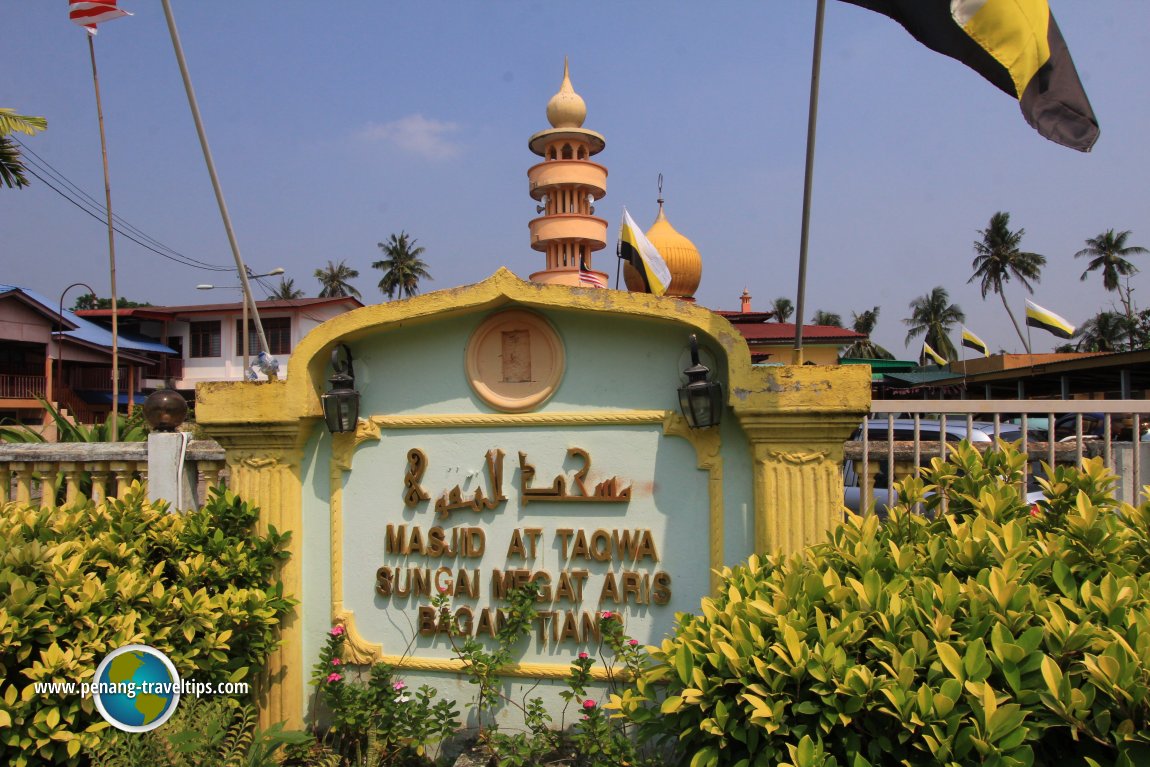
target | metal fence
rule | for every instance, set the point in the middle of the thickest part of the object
(904, 434)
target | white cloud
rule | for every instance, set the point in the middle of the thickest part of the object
(416, 135)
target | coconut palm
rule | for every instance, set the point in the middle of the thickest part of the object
(782, 308)
(934, 316)
(1108, 252)
(402, 266)
(866, 349)
(334, 280)
(827, 318)
(286, 290)
(11, 165)
(999, 258)
(1104, 332)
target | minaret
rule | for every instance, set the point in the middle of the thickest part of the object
(566, 185)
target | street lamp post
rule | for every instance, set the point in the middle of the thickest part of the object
(59, 340)
(273, 273)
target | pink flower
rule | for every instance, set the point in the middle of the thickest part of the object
(399, 685)
(443, 589)
(607, 615)
(336, 661)
(634, 643)
(583, 656)
(588, 704)
(334, 677)
(337, 630)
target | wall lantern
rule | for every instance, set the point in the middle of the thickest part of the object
(701, 399)
(341, 402)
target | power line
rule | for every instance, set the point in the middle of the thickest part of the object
(87, 204)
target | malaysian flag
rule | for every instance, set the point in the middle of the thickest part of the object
(590, 278)
(89, 14)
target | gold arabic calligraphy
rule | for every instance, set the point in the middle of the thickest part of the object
(607, 491)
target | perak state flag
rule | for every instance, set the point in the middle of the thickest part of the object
(1017, 46)
(89, 14)
(928, 351)
(637, 250)
(971, 341)
(1037, 317)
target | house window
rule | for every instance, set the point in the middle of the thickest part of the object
(204, 340)
(276, 329)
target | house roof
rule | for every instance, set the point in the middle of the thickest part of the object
(83, 331)
(775, 333)
(172, 312)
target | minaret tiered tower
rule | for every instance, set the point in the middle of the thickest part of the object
(566, 185)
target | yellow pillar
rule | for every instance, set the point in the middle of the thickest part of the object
(264, 452)
(797, 424)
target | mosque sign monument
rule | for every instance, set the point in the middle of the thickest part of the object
(518, 432)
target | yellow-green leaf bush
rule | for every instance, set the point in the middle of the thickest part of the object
(76, 583)
(979, 632)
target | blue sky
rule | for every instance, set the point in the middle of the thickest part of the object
(336, 125)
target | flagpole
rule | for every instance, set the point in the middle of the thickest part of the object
(812, 119)
(240, 268)
(115, 433)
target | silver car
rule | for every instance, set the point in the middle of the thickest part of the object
(929, 430)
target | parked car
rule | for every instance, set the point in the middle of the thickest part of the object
(1093, 427)
(929, 430)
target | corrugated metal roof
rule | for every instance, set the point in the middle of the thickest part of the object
(87, 331)
(167, 312)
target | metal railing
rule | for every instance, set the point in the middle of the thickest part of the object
(1054, 431)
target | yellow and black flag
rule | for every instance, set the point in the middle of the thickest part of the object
(1037, 317)
(928, 352)
(971, 341)
(1016, 45)
(636, 249)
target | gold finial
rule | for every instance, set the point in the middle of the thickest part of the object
(566, 108)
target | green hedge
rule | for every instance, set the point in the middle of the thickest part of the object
(983, 631)
(79, 582)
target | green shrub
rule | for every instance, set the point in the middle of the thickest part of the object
(981, 632)
(204, 732)
(76, 583)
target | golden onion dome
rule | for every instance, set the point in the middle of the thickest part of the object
(566, 109)
(682, 257)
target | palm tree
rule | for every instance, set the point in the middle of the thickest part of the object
(334, 280)
(999, 259)
(866, 349)
(934, 315)
(286, 290)
(827, 318)
(1104, 332)
(11, 165)
(1108, 252)
(782, 308)
(402, 266)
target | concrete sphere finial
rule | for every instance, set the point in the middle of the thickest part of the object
(566, 108)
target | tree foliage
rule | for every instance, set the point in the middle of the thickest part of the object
(999, 258)
(334, 280)
(934, 316)
(866, 349)
(1108, 253)
(286, 290)
(823, 317)
(11, 163)
(782, 308)
(89, 301)
(402, 266)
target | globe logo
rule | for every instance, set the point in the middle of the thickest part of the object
(136, 688)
